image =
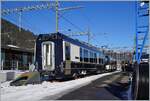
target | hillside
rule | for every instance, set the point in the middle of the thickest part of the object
(10, 35)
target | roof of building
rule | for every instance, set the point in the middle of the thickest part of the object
(12, 38)
(16, 48)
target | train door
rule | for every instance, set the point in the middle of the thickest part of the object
(67, 51)
(67, 58)
(48, 56)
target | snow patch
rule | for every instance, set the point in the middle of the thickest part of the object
(40, 91)
(13, 46)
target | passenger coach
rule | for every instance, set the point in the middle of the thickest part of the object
(59, 56)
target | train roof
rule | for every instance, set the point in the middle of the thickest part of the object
(73, 41)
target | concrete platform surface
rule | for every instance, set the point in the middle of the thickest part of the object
(112, 87)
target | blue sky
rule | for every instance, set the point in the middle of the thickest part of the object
(114, 18)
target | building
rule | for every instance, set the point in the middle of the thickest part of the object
(13, 57)
(17, 47)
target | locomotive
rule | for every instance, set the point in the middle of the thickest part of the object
(59, 56)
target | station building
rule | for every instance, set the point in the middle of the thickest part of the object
(17, 47)
(13, 57)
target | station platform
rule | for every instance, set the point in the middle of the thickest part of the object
(111, 87)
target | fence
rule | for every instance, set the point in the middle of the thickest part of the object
(14, 65)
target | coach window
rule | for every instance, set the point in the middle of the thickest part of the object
(90, 56)
(102, 60)
(99, 56)
(85, 55)
(95, 58)
(81, 54)
(67, 51)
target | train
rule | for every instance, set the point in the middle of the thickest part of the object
(58, 56)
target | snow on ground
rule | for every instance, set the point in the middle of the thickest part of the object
(40, 91)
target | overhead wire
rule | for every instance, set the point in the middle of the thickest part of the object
(39, 14)
(30, 25)
(72, 24)
(64, 18)
(75, 26)
(88, 21)
(26, 22)
(11, 18)
(46, 10)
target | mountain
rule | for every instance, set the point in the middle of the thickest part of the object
(10, 35)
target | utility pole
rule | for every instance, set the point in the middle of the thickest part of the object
(57, 9)
(57, 17)
(89, 35)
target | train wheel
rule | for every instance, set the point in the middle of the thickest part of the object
(140, 82)
(98, 71)
(75, 75)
